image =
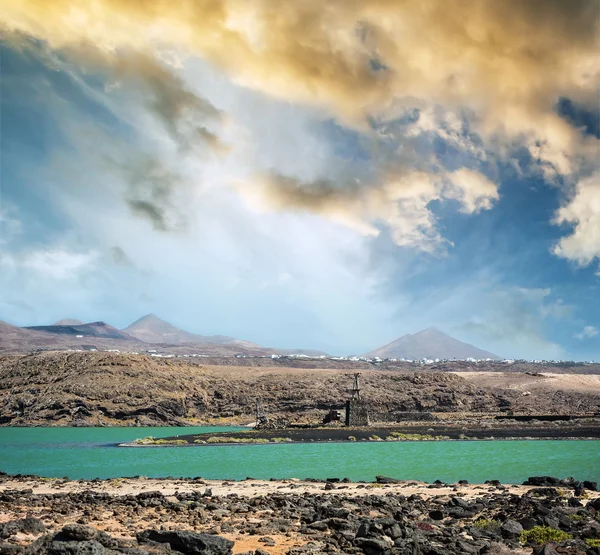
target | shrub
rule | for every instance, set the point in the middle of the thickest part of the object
(149, 440)
(399, 436)
(544, 534)
(217, 439)
(169, 442)
(592, 542)
(486, 524)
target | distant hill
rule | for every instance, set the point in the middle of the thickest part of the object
(94, 329)
(152, 329)
(10, 333)
(429, 343)
(15, 339)
(68, 322)
(101, 336)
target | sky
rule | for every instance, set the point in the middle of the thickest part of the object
(306, 174)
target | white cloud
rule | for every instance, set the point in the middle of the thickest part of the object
(587, 333)
(582, 211)
(57, 264)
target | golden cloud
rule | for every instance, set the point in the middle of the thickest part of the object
(504, 63)
(400, 203)
(504, 58)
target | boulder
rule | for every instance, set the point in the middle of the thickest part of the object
(511, 529)
(78, 532)
(49, 545)
(27, 525)
(548, 481)
(594, 504)
(189, 543)
(386, 480)
(374, 546)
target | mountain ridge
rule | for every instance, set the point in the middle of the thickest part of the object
(68, 322)
(92, 329)
(152, 329)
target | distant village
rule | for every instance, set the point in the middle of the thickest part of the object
(301, 356)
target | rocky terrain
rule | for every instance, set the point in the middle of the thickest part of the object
(58, 388)
(194, 516)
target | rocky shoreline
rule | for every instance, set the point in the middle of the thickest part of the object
(141, 516)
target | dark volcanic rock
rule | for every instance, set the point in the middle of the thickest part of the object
(373, 546)
(379, 521)
(78, 532)
(386, 480)
(511, 529)
(10, 549)
(48, 545)
(189, 543)
(27, 525)
(542, 481)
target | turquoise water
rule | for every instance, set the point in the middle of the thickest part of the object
(91, 453)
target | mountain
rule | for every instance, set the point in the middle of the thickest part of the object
(152, 329)
(102, 337)
(68, 322)
(96, 335)
(10, 333)
(429, 343)
(94, 329)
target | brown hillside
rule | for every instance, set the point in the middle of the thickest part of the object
(55, 388)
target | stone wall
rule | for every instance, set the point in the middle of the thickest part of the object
(357, 413)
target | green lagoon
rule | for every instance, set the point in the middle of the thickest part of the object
(92, 453)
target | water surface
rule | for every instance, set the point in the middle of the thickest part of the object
(91, 453)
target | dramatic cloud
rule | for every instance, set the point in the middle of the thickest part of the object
(502, 65)
(150, 194)
(583, 213)
(512, 59)
(400, 203)
(183, 113)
